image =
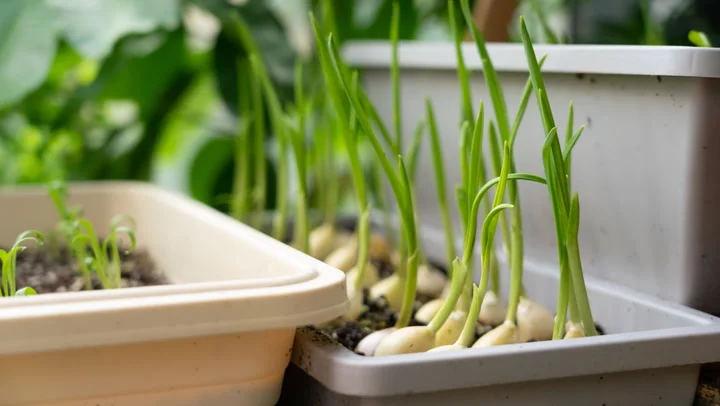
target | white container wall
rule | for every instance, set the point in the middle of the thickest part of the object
(645, 168)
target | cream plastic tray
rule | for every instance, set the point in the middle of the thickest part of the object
(221, 334)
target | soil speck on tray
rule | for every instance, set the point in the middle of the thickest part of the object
(50, 269)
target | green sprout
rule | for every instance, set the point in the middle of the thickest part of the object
(565, 208)
(399, 182)
(241, 178)
(296, 132)
(440, 181)
(8, 258)
(699, 39)
(103, 257)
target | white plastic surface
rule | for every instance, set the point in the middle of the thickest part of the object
(222, 333)
(645, 168)
(650, 355)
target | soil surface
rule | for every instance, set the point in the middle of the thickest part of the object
(51, 268)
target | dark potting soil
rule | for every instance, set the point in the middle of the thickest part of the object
(51, 268)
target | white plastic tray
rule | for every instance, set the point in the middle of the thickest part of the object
(651, 355)
(645, 168)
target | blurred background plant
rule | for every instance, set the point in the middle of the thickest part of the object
(147, 90)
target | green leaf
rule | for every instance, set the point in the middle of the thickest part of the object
(269, 36)
(26, 291)
(212, 161)
(27, 47)
(699, 39)
(92, 27)
(144, 77)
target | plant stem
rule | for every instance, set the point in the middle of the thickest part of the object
(468, 332)
(395, 74)
(440, 183)
(412, 245)
(298, 138)
(577, 278)
(457, 284)
(241, 177)
(258, 124)
(363, 233)
(332, 181)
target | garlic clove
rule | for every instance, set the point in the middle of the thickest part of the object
(430, 281)
(446, 290)
(575, 330)
(343, 238)
(395, 259)
(371, 275)
(427, 311)
(344, 257)
(506, 333)
(393, 288)
(355, 298)
(406, 340)
(534, 322)
(452, 347)
(380, 247)
(369, 344)
(451, 329)
(492, 311)
(322, 241)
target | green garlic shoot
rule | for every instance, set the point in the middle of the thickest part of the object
(103, 258)
(277, 122)
(440, 182)
(348, 131)
(295, 129)
(8, 259)
(559, 191)
(699, 39)
(241, 176)
(259, 194)
(423, 338)
(398, 182)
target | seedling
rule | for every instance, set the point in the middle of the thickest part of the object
(8, 258)
(103, 257)
(565, 210)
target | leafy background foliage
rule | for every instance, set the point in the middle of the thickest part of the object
(147, 90)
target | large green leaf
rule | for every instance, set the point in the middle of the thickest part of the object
(268, 33)
(143, 78)
(212, 163)
(27, 47)
(93, 27)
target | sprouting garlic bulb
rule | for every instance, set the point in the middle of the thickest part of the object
(371, 275)
(344, 257)
(534, 322)
(427, 311)
(492, 311)
(406, 340)
(380, 247)
(430, 281)
(506, 333)
(356, 308)
(322, 241)
(451, 329)
(393, 288)
(574, 330)
(369, 344)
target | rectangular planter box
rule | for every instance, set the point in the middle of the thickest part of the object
(651, 356)
(220, 335)
(645, 168)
